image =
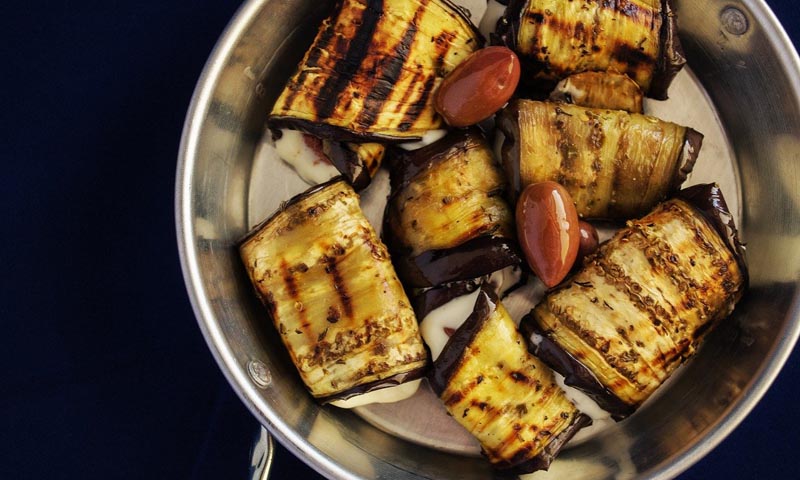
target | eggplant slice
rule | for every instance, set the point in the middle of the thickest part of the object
(616, 165)
(642, 304)
(372, 69)
(557, 38)
(333, 295)
(504, 396)
(606, 90)
(446, 218)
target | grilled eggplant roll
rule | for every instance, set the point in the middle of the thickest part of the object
(615, 165)
(642, 304)
(333, 295)
(505, 397)
(556, 38)
(446, 218)
(372, 69)
(606, 90)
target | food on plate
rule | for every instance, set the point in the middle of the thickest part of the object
(478, 87)
(446, 219)
(556, 38)
(607, 90)
(372, 69)
(589, 239)
(318, 160)
(548, 231)
(505, 397)
(644, 301)
(333, 295)
(615, 164)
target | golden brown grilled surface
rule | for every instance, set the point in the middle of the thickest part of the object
(372, 70)
(643, 303)
(606, 90)
(615, 165)
(332, 293)
(635, 37)
(454, 195)
(505, 397)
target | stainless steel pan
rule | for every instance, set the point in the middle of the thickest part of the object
(740, 58)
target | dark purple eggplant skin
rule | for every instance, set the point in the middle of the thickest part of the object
(471, 259)
(348, 164)
(671, 61)
(392, 381)
(710, 202)
(574, 372)
(449, 360)
(430, 299)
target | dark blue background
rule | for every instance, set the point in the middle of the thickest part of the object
(104, 371)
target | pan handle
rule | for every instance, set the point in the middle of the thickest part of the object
(261, 455)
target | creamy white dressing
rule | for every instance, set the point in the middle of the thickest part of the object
(475, 8)
(384, 395)
(504, 279)
(427, 138)
(487, 24)
(306, 162)
(450, 315)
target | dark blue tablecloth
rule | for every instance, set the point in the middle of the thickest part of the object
(104, 371)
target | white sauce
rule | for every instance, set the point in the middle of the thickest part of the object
(427, 138)
(504, 279)
(306, 162)
(476, 9)
(450, 315)
(494, 11)
(384, 395)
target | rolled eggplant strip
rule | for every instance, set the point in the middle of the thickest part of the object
(605, 90)
(504, 396)
(556, 38)
(642, 304)
(372, 69)
(615, 165)
(318, 267)
(446, 218)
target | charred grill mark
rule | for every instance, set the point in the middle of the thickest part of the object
(391, 71)
(339, 285)
(632, 56)
(357, 50)
(599, 344)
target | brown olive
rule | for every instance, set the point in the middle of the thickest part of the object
(589, 240)
(478, 86)
(547, 227)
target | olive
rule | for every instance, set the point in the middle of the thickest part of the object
(478, 86)
(589, 240)
(547, 227)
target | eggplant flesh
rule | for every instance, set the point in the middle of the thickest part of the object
(447, 218)
(642, 304)
(318, 266)
(372, 69)
(606, 90)
(357, 162)
(615, 165)
(555, 39)
(505, 397)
